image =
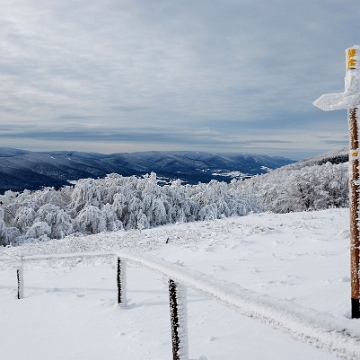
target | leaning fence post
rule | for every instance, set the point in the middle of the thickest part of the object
(20, 280)
(121, 281)
(178, 321)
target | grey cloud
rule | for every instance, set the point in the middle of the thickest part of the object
(337, 142)
(231, 66)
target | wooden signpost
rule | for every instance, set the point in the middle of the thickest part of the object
(350, 100)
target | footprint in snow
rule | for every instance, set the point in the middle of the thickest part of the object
(343, 234)
(218, 268)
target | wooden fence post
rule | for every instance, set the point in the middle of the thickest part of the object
(178, 321)
(121, 282)
(20, 280)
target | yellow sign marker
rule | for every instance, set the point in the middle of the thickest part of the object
(351, 62)
(354, 154)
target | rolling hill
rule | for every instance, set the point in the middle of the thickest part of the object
(21, 169)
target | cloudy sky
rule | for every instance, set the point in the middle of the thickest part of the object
(207, 75)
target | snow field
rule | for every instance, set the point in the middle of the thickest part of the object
(299, 257)
(75, 317)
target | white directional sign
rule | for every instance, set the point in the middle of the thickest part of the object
(350, 98)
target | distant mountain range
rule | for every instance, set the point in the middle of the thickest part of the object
(334, 157)
(21, 169)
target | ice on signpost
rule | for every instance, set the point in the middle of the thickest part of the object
(350, 98)
(340, 101)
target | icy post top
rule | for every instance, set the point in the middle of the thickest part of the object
(350, 98)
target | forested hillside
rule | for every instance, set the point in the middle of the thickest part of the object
(20, 170)
(116, 202)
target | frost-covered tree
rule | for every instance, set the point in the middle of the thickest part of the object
(58, 220)
(111, 218)
(38, 229)
(24, 218)
(91, 220)
(117, 202)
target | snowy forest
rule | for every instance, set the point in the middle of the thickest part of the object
(122, 203)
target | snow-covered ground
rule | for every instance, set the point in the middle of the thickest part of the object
(69, 310)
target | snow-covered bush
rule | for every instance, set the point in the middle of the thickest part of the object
(8, 235)
(310, 188)
(58, 220)
(24, 218)
(91, 220)
(111, 218)
(38, 229)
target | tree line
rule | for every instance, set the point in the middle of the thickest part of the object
(116, 202)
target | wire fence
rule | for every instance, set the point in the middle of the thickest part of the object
(336, 336)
